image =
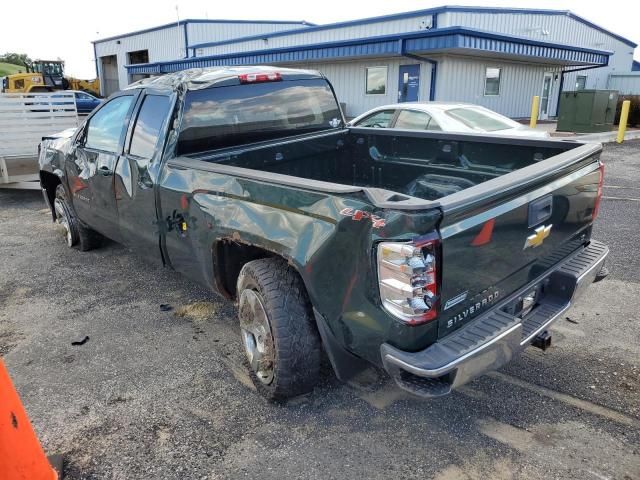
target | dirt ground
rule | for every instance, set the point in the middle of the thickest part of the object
(159, 394)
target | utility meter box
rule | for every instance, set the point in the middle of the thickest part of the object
(587, 111)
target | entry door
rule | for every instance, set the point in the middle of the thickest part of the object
(409, 83)
(545, 97)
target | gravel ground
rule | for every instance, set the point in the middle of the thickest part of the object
(164, 395)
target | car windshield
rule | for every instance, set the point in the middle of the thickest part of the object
(479, 119)
(222, 117)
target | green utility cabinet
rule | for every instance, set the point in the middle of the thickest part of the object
(587, 111)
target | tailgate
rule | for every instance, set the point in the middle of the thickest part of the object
(502, 234)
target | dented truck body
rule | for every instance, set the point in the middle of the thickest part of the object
(435, 256)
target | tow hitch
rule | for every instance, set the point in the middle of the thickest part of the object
(542, 340)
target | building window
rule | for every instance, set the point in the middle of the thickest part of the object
(581, 82)
(140, 56)
(376, 81)
(492, 81)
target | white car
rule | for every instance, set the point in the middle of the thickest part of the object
(443, 116)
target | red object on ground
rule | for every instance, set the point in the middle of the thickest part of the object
(21, 456)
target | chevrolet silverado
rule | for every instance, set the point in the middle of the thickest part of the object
(435, 256)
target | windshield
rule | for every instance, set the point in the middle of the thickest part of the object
(481, 120)
(222, 117)
(48, 68)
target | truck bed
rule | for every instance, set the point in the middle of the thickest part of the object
(483, 189)
(423, 165)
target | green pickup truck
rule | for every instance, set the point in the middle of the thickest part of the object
(435, 256)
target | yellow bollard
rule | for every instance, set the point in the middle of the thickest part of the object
(535, 106)
(624, 116)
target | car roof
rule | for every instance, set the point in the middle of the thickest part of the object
(199, 78)
(421, 105)
(62, 92)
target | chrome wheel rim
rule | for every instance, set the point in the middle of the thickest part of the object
(256, 335)
(63, 220)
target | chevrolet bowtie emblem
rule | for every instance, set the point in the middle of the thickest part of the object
(538, 237)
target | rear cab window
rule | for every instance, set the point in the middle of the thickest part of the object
(230, 116)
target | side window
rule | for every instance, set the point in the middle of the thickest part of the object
(107, 125)
(581, 82)
(376, 81)
(492, 81)
(412, 120)
(433, 125)
(377, 120)
(151, 117)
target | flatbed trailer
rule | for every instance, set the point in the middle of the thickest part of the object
(24, 119)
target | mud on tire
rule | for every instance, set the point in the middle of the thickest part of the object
(294, 347)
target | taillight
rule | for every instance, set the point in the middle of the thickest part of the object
(596, 207)
(407, 275)
(259, 77)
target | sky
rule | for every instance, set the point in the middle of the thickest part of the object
(48, 30)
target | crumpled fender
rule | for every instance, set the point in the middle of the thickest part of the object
(328, 238)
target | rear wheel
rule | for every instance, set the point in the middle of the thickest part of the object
(279, 334)
(76, 234)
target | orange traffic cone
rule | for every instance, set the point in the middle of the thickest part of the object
(21, 456)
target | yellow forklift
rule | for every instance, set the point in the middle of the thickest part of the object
(46, 76)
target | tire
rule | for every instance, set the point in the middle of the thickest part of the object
(273, 304)
(77, 235)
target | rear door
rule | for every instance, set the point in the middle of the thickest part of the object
(137, 173)
(95, 155)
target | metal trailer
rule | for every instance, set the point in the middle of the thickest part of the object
(24, 119)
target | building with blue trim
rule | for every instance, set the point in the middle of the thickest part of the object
(496, 57)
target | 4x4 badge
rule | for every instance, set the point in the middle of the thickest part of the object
(538, 237)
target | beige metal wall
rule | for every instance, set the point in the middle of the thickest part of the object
(551, 28)
(383, 27)
(462, 79)
(625, 83)
(348, 80)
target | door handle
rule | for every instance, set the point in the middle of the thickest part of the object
(104, 170)
(540, 210)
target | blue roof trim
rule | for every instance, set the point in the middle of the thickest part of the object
(635, 66)
(202, 20)
(391, 45)
(418, 13)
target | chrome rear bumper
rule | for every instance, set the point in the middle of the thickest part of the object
(494, 338)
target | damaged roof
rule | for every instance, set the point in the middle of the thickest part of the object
(199, 78)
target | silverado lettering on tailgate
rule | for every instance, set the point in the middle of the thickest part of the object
(476, 305)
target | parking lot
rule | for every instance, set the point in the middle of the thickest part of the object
(164, 394)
